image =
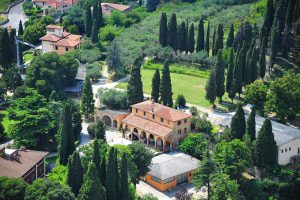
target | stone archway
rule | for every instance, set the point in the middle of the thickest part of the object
(115, 124)
(168, 146)
(107, 120)
(143, 137)
(135, 134)
(159, 143)
(151, 140)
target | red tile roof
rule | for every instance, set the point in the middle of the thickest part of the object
(147, 125)
(27, 160)
(50, 38)
(67, 43)
(58, 3)
(108, 7)
(161, 111)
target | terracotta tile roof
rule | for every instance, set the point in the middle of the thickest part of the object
(161, 111)
(27, 159)
(50, 37)
(147, 125)
(108, 7)
(73, 37)
(58, 3)
(54, 26)
(67, 43)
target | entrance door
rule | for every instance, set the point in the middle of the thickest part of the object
(181, 178)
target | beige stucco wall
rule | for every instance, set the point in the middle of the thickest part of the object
(291, 150)
(47, 47)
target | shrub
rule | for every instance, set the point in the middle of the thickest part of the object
(114, 99)
(201, 124)
(94, 70)
(109, 32)
(91, 129)
(194, 110)
(180, 101)
(194, 145)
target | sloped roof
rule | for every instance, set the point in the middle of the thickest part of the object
(161, 111)
(67, 43)
(147, 125)
(50, 38)
(172, 164)
(27, 159)
(108, 7)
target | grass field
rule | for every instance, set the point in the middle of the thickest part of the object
(2, 19)
(4, 4)
(28, 57)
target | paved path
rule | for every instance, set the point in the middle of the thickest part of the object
(15, 15)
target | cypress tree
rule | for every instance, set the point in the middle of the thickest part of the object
(172, 32)
(232, 91)
(268, 21)
(97, 158)
(181, 37)
(91, 187)
(5, 50)
(88, 21)
(238, 123)
(238, 71)
(155, 86)
(95, 18)
(186, 36)
(211, 88)
(166, 86)
(265, 148)
(124, 179)
(207, 39)
(219, 39)
(229, 77)
(100, 15)
(95, 32)
(274, 46)
(20, 33)
(247, 69)
(67, 145)
(213, 43)
(230, 38)
(200, 37)
(87, 100)
(117, 181)
(220, 76)
(100, 131)
(163, 30)
(253, 64)
(103, 170)
(247, 34)
(110, 177)
(135, 85)
(191, 39)
(20, 30)
(251, 125)
(75, 173)
(262, 59)
(12, 44)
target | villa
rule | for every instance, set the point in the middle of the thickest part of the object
(107, 8)
(58, 5)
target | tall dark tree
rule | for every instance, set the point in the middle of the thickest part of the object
(229, 76)
(253, 64)
(207, 39)
(247, 34)
(124, 179)
(20, 33)
(262, 59)
(191, 39)
(100, 14)
(172, 32)
(265, 148)
(75, 173)
(200, 37)
(213, 43)
(67, 142)
(95, 31)
(238, 123)
(110, 177)
(91, 187)
(100, 131)
(155, 86)
(219, 39)
(95, 17)
(186, 36)
(87, 100)
(211, 88)
(13, 54)
(220, 76)
(232, 91)
(20, 29)
(103, 170)
(163, 30)
(250, 129)
(268, 21)
(88, 23)
(5, 50)
(230, 38)
(181, 37)
(247, 68)
(117, 176)
(97, 158)
(274, 45)
(166, 86)
(135, 85)
(238, 70)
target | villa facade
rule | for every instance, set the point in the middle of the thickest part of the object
(157, 125)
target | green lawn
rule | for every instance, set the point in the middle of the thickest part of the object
(4, 4)
(28, 56)
(2, 18)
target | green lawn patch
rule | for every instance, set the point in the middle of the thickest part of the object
(28, 56)
(4, 119)
(4, 4)
(2, 19)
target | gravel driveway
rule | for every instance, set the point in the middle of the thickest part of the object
(15, 15)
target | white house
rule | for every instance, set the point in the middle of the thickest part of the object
(287, 139)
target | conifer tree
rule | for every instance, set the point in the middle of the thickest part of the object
(265, 148)
(219, 39)
(124, 179)
(181, 37)
(75, 173)
(229, 76)
(103, 170)
(163, 30)
(274, 45)
(20, 29)
(97, 158)
(253, 64)
(67, 145)
(100, 15)
(191, 39)
(230, 38)
(238, 71)
(155, 86)
(91, 187)
(220, 76)
(5, 50)
(135, 85)
(200, 37)
(87, 100)
(238, 123)
(100, 131)
(20, 33)
(110, 177)
(211, 88)
(117, 177)
(166, 86)
(13, 55)
(95, 31)
(172, 32)
(262, 60)
(95, 18)
(247, 34)
(268, 21)
(207, 39)
(88, 23)
(213, 43)
(247, 69)
(251, 125)
(186, 36)
(232, 91)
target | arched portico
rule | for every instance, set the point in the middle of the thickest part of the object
(159, 143)
(107, 120)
